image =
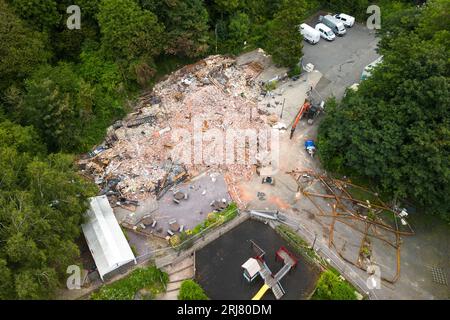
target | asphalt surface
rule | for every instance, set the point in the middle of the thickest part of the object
(341, 61)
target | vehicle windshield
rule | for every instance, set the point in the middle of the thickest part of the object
(329, 33)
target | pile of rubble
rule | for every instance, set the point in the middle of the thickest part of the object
(136, 159)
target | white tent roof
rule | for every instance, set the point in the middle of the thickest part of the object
(108, 245)
(252, 266)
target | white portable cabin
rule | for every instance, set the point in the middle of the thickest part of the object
(310, 34)
(106, 241)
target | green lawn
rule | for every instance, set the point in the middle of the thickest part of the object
(190, 290)
(150, 278)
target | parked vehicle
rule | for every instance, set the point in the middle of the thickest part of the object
(368, 69)
(310, 34)
(347, 20)
(325, 32)
(334, 24)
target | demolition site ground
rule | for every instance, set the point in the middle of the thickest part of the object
(142, 168)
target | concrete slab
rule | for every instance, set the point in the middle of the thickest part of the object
(190, 212)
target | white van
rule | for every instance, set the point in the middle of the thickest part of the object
(347, 20)
(310, 34)
(325, 32)
(334, 24)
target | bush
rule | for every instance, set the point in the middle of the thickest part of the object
(295, 241)
(175, 240)
(331, 287)
(270, 86)
(150, 278)
(295, 71)
(190, 290)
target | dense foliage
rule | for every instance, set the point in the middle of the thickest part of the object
(331, 287)
(150, 278)
(395, 128)
(190, 290)
(72, 84)
(42, 201)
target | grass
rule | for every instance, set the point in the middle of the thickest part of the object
(190, 290)
(296, 242)
(331, 287)
(150, 278)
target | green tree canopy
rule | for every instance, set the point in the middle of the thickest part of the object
(21, 49)
(395, 128)
(186, 23)
(284, 40)
(41, 15)
(42, 201)
(131, 37)
(59, 104)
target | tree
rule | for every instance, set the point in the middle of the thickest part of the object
(190, 290)
(21, 49)
(186, 23)
(238, 31)
(394, 129)
(41, 15)
(227, 6)
(42, 202)
(59, 104)
(354, 7)
(284, 40)
(131, 37)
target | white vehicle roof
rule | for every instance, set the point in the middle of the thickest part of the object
(346, 16)
(332, 18)
(307, 27)
(324, 27)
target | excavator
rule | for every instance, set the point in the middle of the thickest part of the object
(303, 109)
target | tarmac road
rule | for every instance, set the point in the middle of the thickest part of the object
(341, 61)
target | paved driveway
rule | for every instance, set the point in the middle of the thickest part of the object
(341, 61)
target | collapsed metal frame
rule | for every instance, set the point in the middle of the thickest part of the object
(348, 210)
